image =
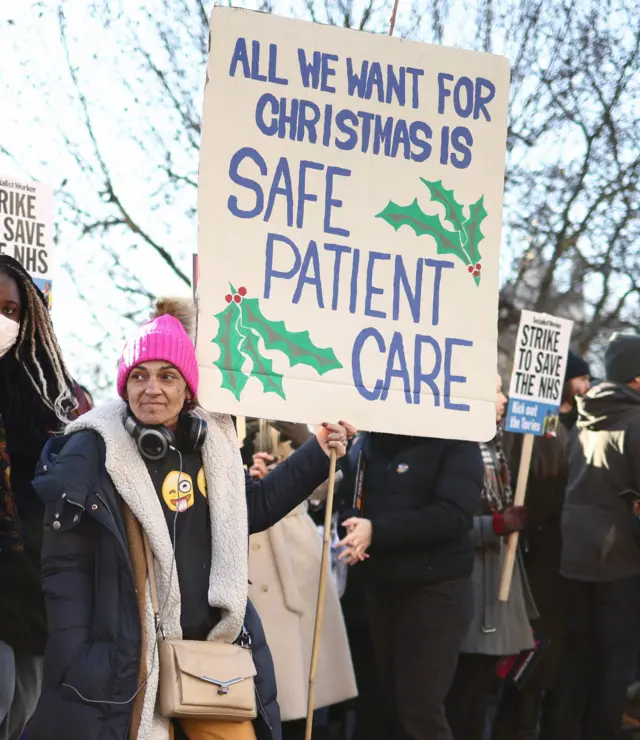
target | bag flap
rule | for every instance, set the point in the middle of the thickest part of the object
(216, 662)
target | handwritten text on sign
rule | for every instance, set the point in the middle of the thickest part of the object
(319, 145)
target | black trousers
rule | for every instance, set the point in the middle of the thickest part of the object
(600, 653)
(417, 633)
(369, 705)
(468, 700)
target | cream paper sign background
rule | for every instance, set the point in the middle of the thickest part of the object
(349, 227)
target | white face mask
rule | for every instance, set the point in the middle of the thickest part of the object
(9, 331)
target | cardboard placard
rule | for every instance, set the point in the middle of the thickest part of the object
(539, 365)
(26, 228)
(350, 200)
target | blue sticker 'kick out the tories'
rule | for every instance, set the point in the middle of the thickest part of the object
(531, 417)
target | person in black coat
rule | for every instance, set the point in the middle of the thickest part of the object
(154, 462)
(37, 396)
(415, 499)
(600, 560)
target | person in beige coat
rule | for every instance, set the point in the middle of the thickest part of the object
(284, 570)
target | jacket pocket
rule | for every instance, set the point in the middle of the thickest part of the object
(62, 515)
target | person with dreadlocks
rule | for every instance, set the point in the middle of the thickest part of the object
(37, 395)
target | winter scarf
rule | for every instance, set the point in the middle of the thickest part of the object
(497, 493)
(228, 582)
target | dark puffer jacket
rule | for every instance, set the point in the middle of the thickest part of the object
(92, 608)
(421, 495)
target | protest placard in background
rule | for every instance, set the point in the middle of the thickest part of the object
(26, 228)
(350, 200)
(539, 365)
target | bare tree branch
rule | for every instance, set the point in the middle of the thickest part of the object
(572, 204)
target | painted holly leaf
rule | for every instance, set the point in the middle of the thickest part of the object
(297, 346)
(448, 242)
(262, 367)
(230, 339)
(453, 212)
(472, 227)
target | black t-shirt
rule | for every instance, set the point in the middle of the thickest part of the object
(183, 496)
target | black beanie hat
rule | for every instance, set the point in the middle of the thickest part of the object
(17, 270)
(622, 358)
(577, 367)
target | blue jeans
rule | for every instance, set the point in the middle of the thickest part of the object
(20, 685)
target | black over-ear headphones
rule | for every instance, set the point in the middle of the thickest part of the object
(154, 442)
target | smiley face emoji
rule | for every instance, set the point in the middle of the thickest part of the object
(202, 482)
(178, 499)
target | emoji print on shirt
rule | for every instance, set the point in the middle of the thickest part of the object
(202, 482)
(178, 500)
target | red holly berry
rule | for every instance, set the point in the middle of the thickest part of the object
(476, 273)
(470, 268)
(478, 267)
(242, 291)
(237, 298)
(228, 298)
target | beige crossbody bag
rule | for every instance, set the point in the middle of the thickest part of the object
(201, 679)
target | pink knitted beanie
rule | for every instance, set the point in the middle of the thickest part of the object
(166, 337)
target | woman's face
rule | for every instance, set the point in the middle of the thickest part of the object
(10, 304)
(501, 400)
(157, 394)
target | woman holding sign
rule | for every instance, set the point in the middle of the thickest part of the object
(498, 629)
(145, 559)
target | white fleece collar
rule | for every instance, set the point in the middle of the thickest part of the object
(228, 581)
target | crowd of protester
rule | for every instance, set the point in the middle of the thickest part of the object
(415, 644)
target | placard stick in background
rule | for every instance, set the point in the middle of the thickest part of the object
(512, 541)
(322, 589)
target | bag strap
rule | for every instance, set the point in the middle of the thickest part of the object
(153, 585)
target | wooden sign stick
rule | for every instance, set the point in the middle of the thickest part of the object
(512, 542)
(322, 589)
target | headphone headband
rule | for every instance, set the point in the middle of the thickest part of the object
(154, 442)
